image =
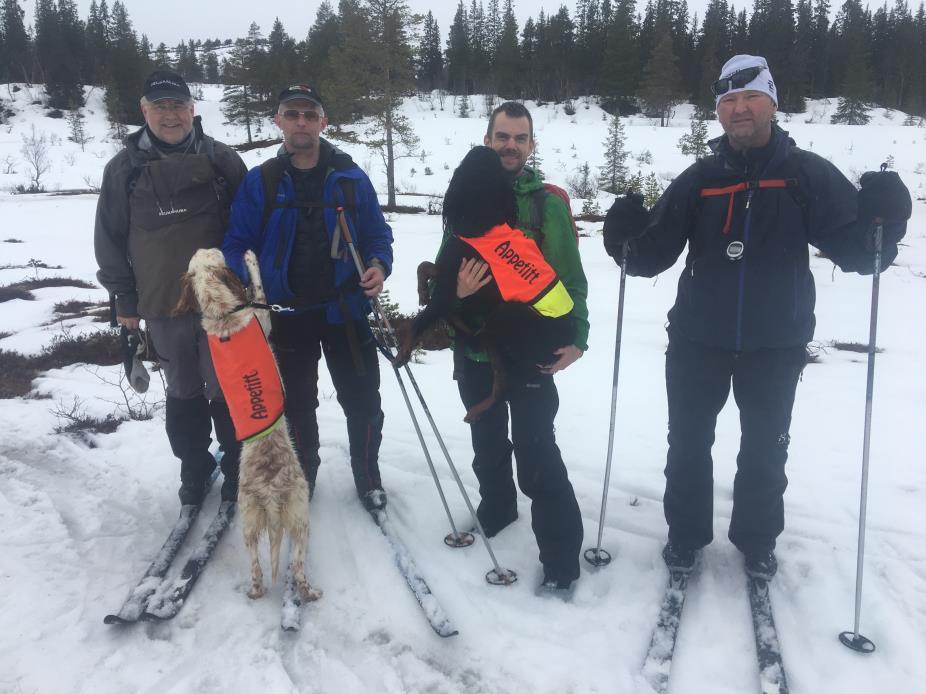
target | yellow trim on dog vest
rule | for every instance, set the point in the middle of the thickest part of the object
(250, 380)
(521, 272)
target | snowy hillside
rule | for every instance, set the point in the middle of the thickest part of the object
(82, 517)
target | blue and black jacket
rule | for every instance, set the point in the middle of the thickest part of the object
(273, 240)
(747, 221)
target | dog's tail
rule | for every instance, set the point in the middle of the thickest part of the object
(275, 531)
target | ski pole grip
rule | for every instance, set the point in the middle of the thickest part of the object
(112, 311)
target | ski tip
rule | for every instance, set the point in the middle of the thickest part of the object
(447, 633)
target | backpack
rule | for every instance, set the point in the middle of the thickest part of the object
(538, 200)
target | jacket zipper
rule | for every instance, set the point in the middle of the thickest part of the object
(740, 299)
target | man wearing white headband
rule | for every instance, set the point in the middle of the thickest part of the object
(745, 307)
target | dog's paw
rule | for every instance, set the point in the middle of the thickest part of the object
(257, 591)
(308, 593)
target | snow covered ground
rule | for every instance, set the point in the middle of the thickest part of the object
(81, 522)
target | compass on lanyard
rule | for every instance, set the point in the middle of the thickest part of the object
(735, 250)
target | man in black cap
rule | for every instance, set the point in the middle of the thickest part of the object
(163, 197)
(287, 212)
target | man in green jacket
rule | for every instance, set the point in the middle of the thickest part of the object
(532, 399)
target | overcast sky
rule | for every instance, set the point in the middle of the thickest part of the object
(171, 21)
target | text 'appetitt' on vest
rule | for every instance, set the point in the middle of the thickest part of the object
(522, 267)
(255, 389)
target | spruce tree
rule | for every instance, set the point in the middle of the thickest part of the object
(211, 67)
(580, 184)
(240, 103)
(479, 57)
(621, 64)
(651, 189)
(126, 71)
(162, 57)
(14, 64)
(78, 133)
(852, 32)
(613, 174)
(661, 89)
(529, 77)
(458, 53)
(280, 66)
(430, 57)
(59, 43)
(323, 36)
(493, 30)
(535, 161)
(375, 60)
(695, 142)
(508, 64)
(819, 49)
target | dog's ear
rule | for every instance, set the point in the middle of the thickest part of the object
(227, 276)
(187, 302)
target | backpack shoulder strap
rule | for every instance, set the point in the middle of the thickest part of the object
(271, 173)
(209, 150)
(554, 189)
(349, 195)
(538, 200)
(535, 222)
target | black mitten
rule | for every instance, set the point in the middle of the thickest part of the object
(884, 196)
(625, 221)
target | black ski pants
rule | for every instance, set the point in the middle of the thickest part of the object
(194, 396)
(533, 403)
(299, 341)
(698, 381)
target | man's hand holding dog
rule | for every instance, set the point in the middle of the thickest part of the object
(473, 275)
(372, 280)
(567, 355)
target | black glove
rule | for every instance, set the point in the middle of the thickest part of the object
(883, 195)
(625, 221)
(133, 349)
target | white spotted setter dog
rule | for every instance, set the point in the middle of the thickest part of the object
(272, 491)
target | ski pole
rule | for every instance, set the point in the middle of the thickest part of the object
(596, 556)
(496, 575)
(853, 639)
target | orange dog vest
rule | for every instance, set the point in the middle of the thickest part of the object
(521, 272)
(249, 379)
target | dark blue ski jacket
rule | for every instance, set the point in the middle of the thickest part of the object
(747, 222)
(273, 244)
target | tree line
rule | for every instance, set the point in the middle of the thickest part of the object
(366, 54)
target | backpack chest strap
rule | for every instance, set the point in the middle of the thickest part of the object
(732, 190)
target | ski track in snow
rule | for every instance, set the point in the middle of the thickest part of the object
(82, 517)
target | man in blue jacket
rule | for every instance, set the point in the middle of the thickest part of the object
(745, 307)
(286, 212)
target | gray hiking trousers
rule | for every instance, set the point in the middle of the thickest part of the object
(184, 351)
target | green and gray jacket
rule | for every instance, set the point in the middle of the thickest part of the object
(154, 212)
(559, 248)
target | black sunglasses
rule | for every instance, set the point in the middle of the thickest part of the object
(310, 116)
(737, 80)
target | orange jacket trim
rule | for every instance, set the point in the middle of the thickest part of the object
(739, 187)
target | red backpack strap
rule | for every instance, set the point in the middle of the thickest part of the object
(538, 199)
